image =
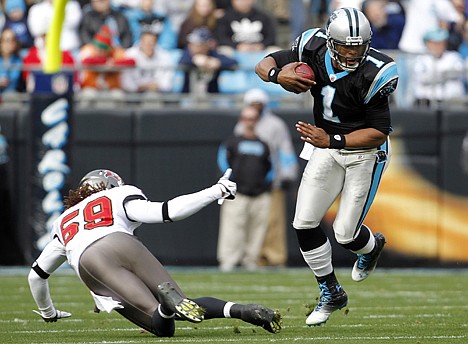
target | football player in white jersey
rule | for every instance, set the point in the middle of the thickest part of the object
(95, 235)
(347, 149)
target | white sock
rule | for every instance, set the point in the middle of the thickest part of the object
(227, 309)
(370, 244)
(165, 316)
(320, 259)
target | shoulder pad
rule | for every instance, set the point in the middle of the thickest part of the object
(309, 40)
(384, 80)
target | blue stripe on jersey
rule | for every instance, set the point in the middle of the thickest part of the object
(376, 177)
(386, 74)
(331, 70)
(306, 36)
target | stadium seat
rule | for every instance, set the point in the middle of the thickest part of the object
(233, 82)
(178, 82)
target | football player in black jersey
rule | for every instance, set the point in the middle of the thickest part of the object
(348, 147)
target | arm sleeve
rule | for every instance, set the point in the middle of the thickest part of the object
(283, 57)
(178, 208)
(50, 259)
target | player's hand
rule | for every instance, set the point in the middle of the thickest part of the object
(228, 187)
(58, 315)
(313, 135)
(290, 81)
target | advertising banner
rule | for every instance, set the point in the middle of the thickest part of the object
(50, 111)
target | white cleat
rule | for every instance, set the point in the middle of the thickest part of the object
(332, 298)
(366, 263)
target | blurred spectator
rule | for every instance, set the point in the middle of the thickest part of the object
(424, 15)
(202, 14)
(16, 19)
(300, 10)
(463, 47)
(456, 28)
(106, 62)
(387, 21)
(175, 10)
(122, 5)
(155, 68)
(143, 17)
(336, 4)
(99, 14)
(244, 27)
(35, 57)
(221, 7)
(279, 10)
(243, 223)
(275, 133)
(203, 63)
(10, 63)
(2, 19)
(41, 14)
(438, 74)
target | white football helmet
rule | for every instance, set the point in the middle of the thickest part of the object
(348, 37)
(97, 177)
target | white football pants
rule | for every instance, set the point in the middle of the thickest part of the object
(355, 174)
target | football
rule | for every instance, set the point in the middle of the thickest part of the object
(305, 71)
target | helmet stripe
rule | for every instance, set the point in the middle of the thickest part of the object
(356, 16)
(350, 21)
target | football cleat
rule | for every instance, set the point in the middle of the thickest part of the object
(184, 309)
(332, 298)
(366, 263)
(58, 315)
(262, 316)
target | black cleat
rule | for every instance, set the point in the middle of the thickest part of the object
(366, 263)
(262, 316)
(183, 308)
(332, 298)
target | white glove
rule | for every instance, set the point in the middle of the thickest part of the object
(228, 187)
(58, 315)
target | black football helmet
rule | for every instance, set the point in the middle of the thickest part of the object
(108, 178)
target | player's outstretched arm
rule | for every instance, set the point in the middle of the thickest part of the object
(50, 259)
(182, 206)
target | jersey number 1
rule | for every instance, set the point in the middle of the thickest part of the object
(97, 213)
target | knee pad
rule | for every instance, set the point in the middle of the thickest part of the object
(302, 224)
(357, 242)
(343, 235)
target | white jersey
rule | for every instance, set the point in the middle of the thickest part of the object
(93, 218)
(438, 78)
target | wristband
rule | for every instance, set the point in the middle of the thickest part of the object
(337, 141)
(273, 74)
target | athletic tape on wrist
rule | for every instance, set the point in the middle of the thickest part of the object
(337, 141)
(273, 74)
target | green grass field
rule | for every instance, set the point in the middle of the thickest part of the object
(409, 306)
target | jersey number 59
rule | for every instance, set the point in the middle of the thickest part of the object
(97, 213)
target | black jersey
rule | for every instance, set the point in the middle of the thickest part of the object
(347, 101)
(250, 162)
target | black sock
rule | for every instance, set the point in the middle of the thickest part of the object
(161, 326)
(236, 310)
(166, 311)
(328, 278)
(214, 308)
